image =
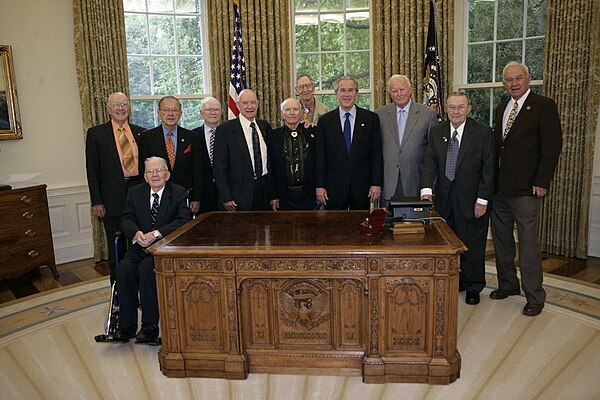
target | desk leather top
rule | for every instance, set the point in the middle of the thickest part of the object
(304, 231)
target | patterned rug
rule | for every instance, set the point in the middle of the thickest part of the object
(47, 350)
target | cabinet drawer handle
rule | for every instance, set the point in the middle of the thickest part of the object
(27, 215)
(26, 199)
(30, 233)
(33, 253)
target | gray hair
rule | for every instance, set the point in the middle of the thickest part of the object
(283, 103)
(155, 158)
(512, 64)
(397, 76)
(206, 100)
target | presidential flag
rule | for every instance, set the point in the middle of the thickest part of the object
(237, 70)
(432, 79)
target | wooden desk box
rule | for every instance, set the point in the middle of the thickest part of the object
(303, 292)
(25, 234)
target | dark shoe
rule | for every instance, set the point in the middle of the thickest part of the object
(124, 334)
(500, 294)
(148, 334)
(531, 310)
(472, 297)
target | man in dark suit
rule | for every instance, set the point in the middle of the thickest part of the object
(405, 129)
(111, 152)
(177, 145)
(292, 153)
(152, 211)
(528, 144)
(459, 166)
(349, 159)
(211, 113)
(241, 164)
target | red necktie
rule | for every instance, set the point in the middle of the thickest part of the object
(170, 149)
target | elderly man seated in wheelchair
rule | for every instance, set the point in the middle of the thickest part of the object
(152, 210)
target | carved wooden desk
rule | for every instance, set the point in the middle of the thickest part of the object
(302, 292)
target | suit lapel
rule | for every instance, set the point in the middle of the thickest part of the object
(109, 136)
(165, 203)
(392, 115)
(465, 143)
(413, 116)
(240, 139)
(526, 110)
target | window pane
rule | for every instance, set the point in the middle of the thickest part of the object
(358, 67)
(139, 75)
(305, 5)
(479, 62)
(191, 117)
(160, 5)
(333, 68)
(332, 32)
(510, 19)
(165, 76)
(307, 33)
(187, 6)
(364, 101)
(505, 53)
(500, 96)
(357, 31)
(534, 57)
(134, 5)
(481, 21)
(136, 33)
(308, 64)
(188, 35)
(190, 69)
(330, 101)
(331, 5)
(357, 4)
(142, 113)
(480, 101)
(536, 17)
(161, 35)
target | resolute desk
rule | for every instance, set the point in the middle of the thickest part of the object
(303, 292)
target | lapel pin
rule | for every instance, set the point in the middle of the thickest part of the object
(362, 124)
(312, 135)
(445, 139)
(529, 107)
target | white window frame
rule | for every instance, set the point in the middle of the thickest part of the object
(205, 56)
(318, 91)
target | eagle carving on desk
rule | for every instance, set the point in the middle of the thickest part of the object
(307, 309)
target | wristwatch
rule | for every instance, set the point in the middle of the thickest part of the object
(156, 234)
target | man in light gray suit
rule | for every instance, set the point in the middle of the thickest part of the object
(404, 130)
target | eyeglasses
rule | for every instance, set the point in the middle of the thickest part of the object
(117, 105)
(305, 86)
(460, 107)
(173, 110)
(155, 171)
(211, 110)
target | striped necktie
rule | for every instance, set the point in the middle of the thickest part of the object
(154, 209)
(126, 150)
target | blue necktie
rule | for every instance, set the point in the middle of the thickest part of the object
(452, 157)
(401, 124)
(347, 132)
(154, 209)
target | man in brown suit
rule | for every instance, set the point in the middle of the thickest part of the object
(528, 144)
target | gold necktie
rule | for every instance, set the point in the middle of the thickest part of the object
(170, 149)
(126, 151)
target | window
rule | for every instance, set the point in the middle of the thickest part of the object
(166, 55)
(332, 39)
(496, 32)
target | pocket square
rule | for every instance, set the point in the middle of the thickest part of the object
(188, 149)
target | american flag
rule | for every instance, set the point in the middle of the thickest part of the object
(432, 79)
(237, 74)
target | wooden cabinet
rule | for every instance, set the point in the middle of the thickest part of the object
(25, 234)
(304, 292)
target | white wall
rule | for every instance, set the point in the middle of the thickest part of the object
(41, 36)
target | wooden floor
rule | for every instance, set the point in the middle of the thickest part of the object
(42, 280)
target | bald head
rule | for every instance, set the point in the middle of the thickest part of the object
(248, 104)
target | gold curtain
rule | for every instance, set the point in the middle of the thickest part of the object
(399, 39)
(572, 79)
(101, 61)
(266, 43)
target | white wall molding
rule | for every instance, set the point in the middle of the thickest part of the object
(71, 223)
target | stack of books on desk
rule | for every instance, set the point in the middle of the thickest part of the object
(403, 228)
